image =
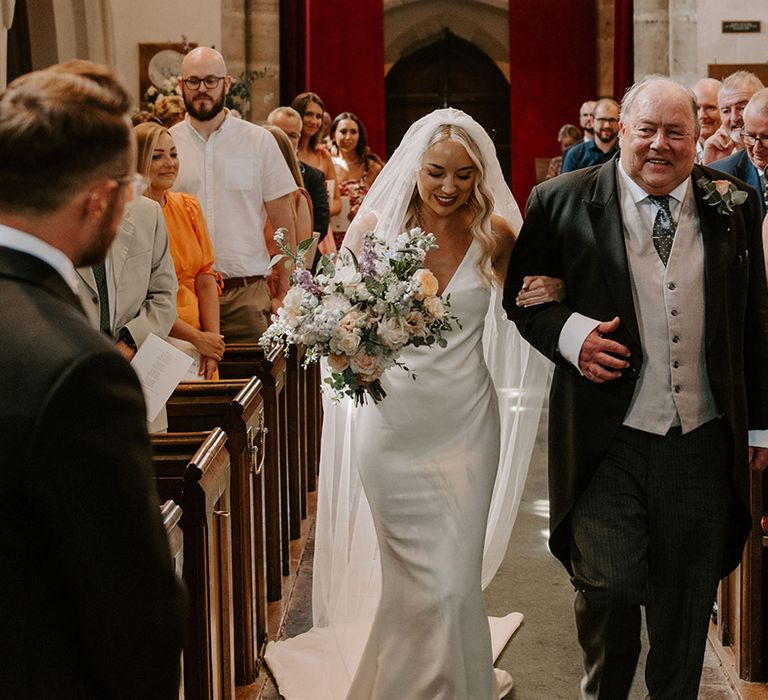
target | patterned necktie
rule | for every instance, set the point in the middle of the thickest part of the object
(100, 273)
(764, 185)
(664, 227)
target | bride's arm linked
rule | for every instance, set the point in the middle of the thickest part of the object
(536, 289)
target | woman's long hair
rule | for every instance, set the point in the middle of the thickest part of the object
(286, 148)
(480, 200)
(300, 103)
(364, 153)
(147, 135)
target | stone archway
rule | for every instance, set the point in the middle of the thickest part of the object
(448, 71)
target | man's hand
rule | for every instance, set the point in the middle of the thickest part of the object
(758, 458)
(125, 350)
(718, 146)
(597, 359)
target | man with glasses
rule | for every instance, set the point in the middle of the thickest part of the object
(240, 177)
(732, 99)
(749, 164)
(89, 603)
(605, 143)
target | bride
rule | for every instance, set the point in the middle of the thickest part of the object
(400, 564)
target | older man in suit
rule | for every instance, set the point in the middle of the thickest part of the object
(89, 604)
(660, 348)
(749, 163)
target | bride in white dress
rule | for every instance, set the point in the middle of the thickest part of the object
(442, 459)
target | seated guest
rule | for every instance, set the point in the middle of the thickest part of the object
(311, 150)
(169, 109)
(197, 301)
(90, 605)
(289, 120)
(605, 144)
(706, 91)
(732, 98)
(356, 168)
(567, 137)
(749, 163)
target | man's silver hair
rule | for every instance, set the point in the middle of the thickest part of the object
(283, 112)
(629, 97)
(742, 78)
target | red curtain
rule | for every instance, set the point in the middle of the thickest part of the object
(553, 69)
(344, 50)
(623, 47)
(293, 55)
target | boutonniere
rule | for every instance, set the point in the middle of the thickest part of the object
(722, 194)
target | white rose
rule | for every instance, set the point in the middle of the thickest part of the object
(366, 367)
(294, 297)
(351, 320)
(392, 332)
(427, 283)
(434, 307)
(347, 275)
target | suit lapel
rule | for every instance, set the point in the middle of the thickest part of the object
(715, 229)
(608, 231)
(118, 253)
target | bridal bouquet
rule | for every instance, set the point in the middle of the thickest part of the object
(360, 312)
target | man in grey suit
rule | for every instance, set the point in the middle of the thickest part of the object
(660, 347)
(90, 607)
(138, 288)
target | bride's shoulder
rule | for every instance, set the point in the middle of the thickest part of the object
(502, 229)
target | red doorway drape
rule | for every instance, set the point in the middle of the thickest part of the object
(623, 47)
(336, 49)
(552, 66)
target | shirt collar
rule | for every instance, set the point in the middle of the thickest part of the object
(225, 124)
(32, 245)
(638, 194)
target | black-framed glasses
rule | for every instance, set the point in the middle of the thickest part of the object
(210, 81)
(751, 139)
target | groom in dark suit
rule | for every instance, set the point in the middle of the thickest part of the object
(89, 603)
(660, 347)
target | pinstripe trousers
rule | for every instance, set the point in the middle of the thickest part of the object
(650, 530)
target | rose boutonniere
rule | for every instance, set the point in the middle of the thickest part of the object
(722, 194)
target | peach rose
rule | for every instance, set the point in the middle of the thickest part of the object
(427, 282)
(337, 363)
(434, 307)
(416, 323)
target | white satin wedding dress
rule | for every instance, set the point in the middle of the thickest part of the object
(428, 466)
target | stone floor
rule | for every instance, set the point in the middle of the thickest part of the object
(543, 657)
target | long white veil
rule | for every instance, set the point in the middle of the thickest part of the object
(346, 575)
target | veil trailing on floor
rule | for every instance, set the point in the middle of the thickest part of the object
(346, 574)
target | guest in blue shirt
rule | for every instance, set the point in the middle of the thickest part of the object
(605, 143)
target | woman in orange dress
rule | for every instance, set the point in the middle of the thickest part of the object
(197, 302)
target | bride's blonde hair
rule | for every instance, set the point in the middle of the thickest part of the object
(480, 199)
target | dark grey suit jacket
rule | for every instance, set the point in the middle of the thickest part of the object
(89, 604)
(573, 230)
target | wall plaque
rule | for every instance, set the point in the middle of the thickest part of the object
(741, 27)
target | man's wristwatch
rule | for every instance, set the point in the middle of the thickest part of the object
(127, 338)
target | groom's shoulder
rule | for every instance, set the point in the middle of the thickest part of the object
(573, 185)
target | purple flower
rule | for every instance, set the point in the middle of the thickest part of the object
(305, 280)
(368, 258)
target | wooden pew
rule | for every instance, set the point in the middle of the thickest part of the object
(315, 424)
(237, 406)
(171, 515)
(247, 360)
(193, 469)
(742, 625)
(296, 395)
